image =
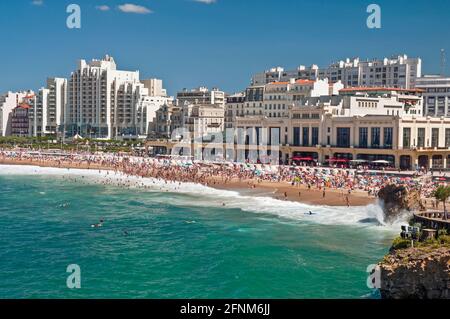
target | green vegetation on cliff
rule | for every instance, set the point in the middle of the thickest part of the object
(443, 240)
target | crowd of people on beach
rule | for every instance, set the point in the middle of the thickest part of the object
(174, 169)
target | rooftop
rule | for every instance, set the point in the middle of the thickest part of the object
(380, 89)
(301, 82)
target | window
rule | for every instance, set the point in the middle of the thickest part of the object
(441, 106)
(363, 137)
(343, 136)
(275, 137)
(375, 136)
(447, 137)
(387, 132)
(315, 136)
(421, 137)
(431, 107)
(305, 140)
(434, 137)
(296, 136)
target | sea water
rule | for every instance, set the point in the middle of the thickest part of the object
(171, 240)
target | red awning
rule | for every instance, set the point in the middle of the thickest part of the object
(338, 160)
(298, 158)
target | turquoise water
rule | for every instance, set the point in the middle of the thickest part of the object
(162, 244)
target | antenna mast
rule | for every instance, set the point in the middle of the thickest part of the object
(443, 62)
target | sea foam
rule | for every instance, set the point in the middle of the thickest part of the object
(362, 216)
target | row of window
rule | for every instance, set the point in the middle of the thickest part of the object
(375, 137)
(367, 104)
(306, 116)
(420, 138)
(305, 136)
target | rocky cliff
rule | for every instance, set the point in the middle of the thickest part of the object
(396, 200)
(422, 273)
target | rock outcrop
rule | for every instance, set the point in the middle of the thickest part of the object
(420, 273)
(396, 200)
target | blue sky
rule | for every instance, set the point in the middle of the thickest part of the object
(189, 43)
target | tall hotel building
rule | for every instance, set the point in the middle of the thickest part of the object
(47, 108)
(395, 72)
(104, 102)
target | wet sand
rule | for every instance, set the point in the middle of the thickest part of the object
(301, 193)
(333, 197)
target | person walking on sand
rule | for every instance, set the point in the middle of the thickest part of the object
(285, 195)
(323, 193)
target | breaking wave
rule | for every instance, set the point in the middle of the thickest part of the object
(363, 216)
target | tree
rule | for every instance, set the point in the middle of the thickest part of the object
(442, 193)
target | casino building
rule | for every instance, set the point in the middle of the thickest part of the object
(384, 125)
(359, 125)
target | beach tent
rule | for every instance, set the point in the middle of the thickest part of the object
(77, 137)
(381, 162)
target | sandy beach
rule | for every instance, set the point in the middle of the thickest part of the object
(278, 190)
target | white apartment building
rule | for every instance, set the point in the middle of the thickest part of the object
(48, 107)
(275, 98)
(279, 95)
(397, 72)
(381, 101)
(155, 87)
(104, 102)
(8, 102)
(436, 94)
(234, 107)
(168, 118)
(201, 95)
(203, 119)
(150, 105)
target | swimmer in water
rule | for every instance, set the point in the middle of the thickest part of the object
(99, 224)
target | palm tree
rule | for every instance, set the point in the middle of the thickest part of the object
(442, 193)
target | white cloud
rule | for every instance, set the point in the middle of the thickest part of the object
(103, 8)
(134, 8)
(37, 2)
(206, 1)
